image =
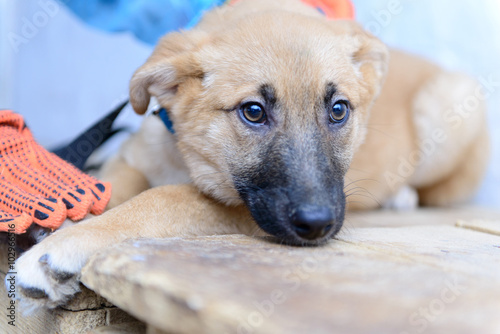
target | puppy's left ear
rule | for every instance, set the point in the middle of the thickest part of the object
(171, 63)
(369, 55)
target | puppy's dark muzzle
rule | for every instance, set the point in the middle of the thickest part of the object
(280, 213)
(296, 193)
(312, 223)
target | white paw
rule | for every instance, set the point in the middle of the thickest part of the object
(406, 199)
(48, 274)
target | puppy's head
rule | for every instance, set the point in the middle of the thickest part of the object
(269, 112)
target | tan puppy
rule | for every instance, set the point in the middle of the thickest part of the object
(273, 108)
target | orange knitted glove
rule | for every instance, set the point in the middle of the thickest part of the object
(18, 224)
(38, 184)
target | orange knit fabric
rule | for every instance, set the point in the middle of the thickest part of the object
(40, 184)
(16, 224)
(333, 9)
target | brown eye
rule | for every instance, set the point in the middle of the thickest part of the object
(339, 112)
(253, 112)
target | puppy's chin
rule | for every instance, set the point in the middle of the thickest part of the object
(287, 236)
(291, 239)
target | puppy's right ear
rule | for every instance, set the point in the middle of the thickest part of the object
(170, 64)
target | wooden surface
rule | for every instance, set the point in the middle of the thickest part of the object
(421, 217)
(387, 273)
(486, 226)
(421, 276)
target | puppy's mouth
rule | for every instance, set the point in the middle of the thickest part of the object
(295, 217)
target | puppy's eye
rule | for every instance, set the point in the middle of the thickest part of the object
(253, 112)
(339, 112)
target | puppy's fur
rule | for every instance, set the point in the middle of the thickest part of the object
(220, 174)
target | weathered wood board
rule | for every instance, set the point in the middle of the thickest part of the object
(420, 217)
(432, 279)
(480, 225)
(407, 268)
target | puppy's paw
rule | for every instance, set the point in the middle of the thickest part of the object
(406, 199)
(48, 274)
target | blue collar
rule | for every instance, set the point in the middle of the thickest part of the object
(163, 114)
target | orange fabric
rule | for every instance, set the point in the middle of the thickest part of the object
(38, 184)
(19, 223)
(333, 9)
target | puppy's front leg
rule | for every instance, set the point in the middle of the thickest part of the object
(115, 171)
(48, 274)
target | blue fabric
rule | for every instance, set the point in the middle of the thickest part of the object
(148, 20)
(163, 113)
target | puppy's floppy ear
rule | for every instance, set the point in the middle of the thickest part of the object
(170, 64)
(370, 56)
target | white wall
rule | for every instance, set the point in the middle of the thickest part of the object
(459, 35)
(67, 75)
(6, 62)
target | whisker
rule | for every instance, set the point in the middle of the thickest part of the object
(359, 193)
(349, 191)
(373, 198)
(366, 179)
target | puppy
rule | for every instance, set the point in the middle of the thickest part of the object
(276, 125)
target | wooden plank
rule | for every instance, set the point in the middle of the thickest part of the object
(420, 217)
(125, 328)
(381, 280)
(485, 226)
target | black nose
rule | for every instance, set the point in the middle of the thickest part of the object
(312, 222)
